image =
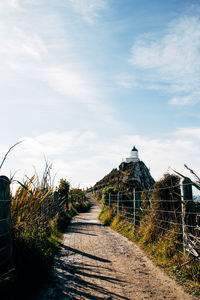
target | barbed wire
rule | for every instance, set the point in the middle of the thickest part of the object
(5, 200)
(2, 249)
(172, 212)
(156, 200)
(4, 234)
(155, 225)
(178, 224)
(154, 189)
(3, 262)
(169, 215)
(151, 199)
(6, 219)
(43, 212)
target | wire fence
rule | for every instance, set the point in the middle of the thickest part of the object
(6, 259)
(169, 209)
(28, 208)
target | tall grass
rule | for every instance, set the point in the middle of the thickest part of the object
(164, 249)
(38, 220)
(158, 232)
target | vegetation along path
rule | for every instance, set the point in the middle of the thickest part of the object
(98, 263)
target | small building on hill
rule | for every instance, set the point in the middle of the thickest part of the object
(133, 156)
(132, 173)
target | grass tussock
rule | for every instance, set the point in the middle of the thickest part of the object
(120, 225)
(163, 247)
(38, 223)
(106, 216)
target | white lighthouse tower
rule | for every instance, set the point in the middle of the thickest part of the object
(133, 156)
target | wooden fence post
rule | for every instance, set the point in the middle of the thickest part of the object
(134, 207)
(66, 199)
(55, 199)
(186, 195)
(118, 203)
(6, 255)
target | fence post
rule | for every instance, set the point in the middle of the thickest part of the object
(55, 199)
(186, 195)
(67, 202)
(109, 200)
(134, 207)
(6, 255)
(118, 203)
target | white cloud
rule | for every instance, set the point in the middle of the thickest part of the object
(37, 59)
(70, 83)
(88, 9)
(172, 60)
(185, 100)
(16, 43)
(127, 81)
(9, 5)
(182, 147)
(56, 143)
(84, 158)
(192, 132)
(13, 3)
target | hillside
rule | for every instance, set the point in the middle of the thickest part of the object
(127, 176)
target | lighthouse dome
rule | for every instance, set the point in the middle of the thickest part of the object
(133, 156)
(134, 149)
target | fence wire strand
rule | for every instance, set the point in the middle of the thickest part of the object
(175, 212)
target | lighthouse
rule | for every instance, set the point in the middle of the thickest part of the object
(133, 156)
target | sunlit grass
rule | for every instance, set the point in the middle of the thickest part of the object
(38, 222)
(165, 249)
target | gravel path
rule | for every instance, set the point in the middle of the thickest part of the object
(98, 263)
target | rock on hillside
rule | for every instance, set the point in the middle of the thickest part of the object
(128, 176)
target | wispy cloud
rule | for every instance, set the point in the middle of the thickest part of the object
(84, 158)
(88, 9)
(45, 57)
(184, 100)
(18, 43)
(171, 60)
(189, 133)
(127, 81)
(9, 5)
(68, 82)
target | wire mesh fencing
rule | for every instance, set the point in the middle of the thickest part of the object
(33, 208)
(6, 260)
(171, 209)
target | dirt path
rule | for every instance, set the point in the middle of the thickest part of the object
(98, 263)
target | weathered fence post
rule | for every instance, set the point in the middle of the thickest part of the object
(186, 195)
(55, 199)
(134, 207)
(72, 199)
(6, 256)
(118, 195)
(67, 202)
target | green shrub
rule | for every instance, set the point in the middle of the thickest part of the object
(106, 216)
(105, 193)
(158, 231)
(37, 227)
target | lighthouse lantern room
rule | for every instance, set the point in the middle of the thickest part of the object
(133, 156)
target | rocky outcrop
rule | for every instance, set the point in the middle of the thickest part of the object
(128, 176)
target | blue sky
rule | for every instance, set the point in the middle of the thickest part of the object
(82, 81)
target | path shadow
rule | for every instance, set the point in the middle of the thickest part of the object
(75, 251)
(81, 223)
(72, 278)
(70, 282)
(79, 232)
(76, 269)
(79, 227)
